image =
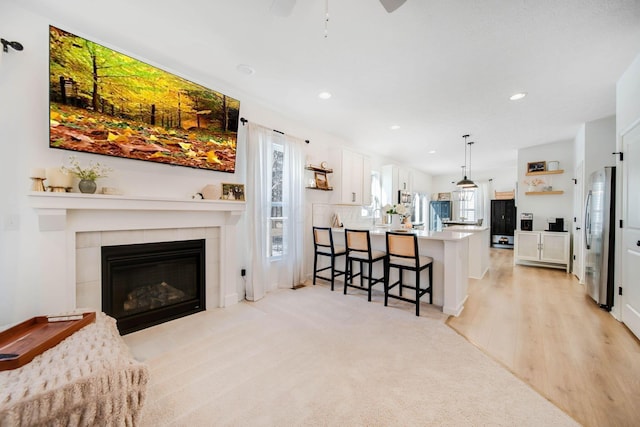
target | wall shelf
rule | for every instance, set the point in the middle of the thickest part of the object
(320, 181)
(545, 172)
(317, 169)
(543, 193)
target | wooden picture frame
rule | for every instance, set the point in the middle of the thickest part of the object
(232, 191)
(444, 196)
(321, 180)
(537, 166)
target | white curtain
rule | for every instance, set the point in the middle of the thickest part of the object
(483, 205)
(268, 273)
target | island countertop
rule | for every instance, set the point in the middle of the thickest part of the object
(422, 234)
(467, 228)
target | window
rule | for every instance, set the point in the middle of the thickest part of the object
(277, 220)
(467, 204)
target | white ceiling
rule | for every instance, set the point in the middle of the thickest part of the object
(437, 68)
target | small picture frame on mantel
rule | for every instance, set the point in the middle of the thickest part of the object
(536, 166)
(231, 191)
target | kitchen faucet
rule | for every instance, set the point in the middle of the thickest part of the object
(373, 215)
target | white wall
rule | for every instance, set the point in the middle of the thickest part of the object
(600, 143)
(547, 206)
(628, 96)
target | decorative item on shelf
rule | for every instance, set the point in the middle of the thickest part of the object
(232, 191)
(444, 196)
(321, 180)
(536, 166)
(547, 188)
(534, 183)
(553, 165)
(505, 195)
(111, 191)
(87, 186)
(212, 192)
(87, 175)
(58, 180)
(37, 175)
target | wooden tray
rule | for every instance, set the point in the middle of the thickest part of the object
(20, 344)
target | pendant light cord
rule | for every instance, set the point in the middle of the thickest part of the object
(326, 19)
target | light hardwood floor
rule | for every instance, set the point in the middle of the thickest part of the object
(540, 324)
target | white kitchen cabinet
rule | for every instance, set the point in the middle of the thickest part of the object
(543, 248)
(394, 179)
(355, 181)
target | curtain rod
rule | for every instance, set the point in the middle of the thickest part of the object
(243, 120)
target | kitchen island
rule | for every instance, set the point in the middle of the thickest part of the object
(450, 252)
(479, 243)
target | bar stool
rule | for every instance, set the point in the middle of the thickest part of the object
(359, 250)
(402, 250)
(323, 245)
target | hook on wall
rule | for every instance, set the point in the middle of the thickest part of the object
(14, 45)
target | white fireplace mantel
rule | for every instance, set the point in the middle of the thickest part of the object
(51, 207)
(61, 216)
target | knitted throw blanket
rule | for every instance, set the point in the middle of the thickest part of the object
(88, 379)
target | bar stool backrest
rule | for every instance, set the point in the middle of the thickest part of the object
(402, 245)
(358, 240)
(322, 237)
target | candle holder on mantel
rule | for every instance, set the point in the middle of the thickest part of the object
(38, 176)
(58, 189)
(37, 184)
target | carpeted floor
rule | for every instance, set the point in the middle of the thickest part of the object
(315, 357)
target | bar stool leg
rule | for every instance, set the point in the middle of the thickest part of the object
(333, 269)
(370, 275)
(315, 267)
(347, 277)
(418, 293)
(431, 284)
(386, 282)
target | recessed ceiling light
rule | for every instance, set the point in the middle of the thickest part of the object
(324, 95)
(517, 96)
(432, 151)
(245, 69)
(394, 127)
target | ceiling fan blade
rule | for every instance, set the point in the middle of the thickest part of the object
(392, 5)
(282, 7)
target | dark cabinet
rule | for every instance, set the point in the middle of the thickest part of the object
(503, 223)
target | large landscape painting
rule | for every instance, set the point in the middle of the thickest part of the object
(104, 102)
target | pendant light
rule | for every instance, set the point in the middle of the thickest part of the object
(466, 182)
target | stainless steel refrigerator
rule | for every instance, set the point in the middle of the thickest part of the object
(599, 230)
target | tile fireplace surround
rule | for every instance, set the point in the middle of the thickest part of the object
(82, 223)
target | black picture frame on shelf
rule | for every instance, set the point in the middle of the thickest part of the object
(537, 166)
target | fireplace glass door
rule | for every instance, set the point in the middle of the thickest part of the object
(147, 284)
